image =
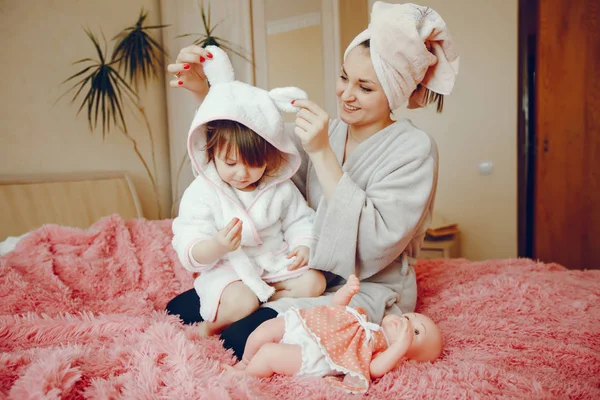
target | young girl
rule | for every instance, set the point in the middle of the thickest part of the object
(337, 340)
(242, 223)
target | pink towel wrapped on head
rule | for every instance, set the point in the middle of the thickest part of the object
(410, 45)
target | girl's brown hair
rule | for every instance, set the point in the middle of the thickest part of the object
(249, 147)
(430, 96)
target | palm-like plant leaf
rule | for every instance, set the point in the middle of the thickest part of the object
(105, 89)
(208, 39)
(138, 53)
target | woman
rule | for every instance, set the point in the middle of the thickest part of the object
(371, 179)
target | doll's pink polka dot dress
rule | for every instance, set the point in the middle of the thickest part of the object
(347, 340)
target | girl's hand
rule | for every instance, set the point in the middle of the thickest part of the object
(312, 126)
(230, 237)
(189, 70)
(302, 254)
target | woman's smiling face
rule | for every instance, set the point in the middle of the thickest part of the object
(361, 98)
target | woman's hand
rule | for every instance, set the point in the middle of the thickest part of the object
(189, 71)
(312, 126)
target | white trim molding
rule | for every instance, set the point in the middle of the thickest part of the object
(331, 53)
(259, 42)
(293, 23)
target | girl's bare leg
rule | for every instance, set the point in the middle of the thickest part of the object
(237, 301)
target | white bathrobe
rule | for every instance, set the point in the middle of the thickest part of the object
(275, 220)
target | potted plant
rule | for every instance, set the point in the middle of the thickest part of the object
(109, 84)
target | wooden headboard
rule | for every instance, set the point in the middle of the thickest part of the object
(28, 202)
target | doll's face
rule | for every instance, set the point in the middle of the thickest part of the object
(424, 335)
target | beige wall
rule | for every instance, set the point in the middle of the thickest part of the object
(295, 51)
(479, 123)
(291, 56)
(354, 18)
(39, 41)
(281, 9)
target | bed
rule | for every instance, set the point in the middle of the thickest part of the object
(81, 316)
(78, 200)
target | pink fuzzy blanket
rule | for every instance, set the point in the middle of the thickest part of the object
(81, 316)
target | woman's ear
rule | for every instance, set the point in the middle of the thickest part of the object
(283, 97)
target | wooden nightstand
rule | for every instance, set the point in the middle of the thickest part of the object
(449, 248)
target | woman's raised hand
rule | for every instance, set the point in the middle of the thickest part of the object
(189, 72)
(312, 126)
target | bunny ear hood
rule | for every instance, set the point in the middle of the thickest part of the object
(253, 107)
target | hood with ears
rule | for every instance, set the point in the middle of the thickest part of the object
(256, 108)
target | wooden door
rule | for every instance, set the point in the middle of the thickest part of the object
(567, 174)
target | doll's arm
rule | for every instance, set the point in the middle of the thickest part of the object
(386, 360)
(344, 294)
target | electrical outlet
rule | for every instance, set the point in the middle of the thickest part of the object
(486, 168)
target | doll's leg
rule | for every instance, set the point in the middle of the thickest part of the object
(237, 301)
(312, 283)
(270, 331)
(344, 294)
(275, 358)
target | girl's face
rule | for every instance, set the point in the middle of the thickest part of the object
(361, 98)
(235, 173)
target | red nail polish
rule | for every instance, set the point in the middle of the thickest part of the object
(209, 55)
(180, 83)
(202, 59)
(293, 101)
(186, 66)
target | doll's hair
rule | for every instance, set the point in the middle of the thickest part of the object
(250, 148)
(430, 95)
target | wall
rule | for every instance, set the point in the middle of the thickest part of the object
(354, 18)
(479, 123)
(284, 58)
(40, 40)
(281, 9)
(294, 56)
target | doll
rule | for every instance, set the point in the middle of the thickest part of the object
(338, 342)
